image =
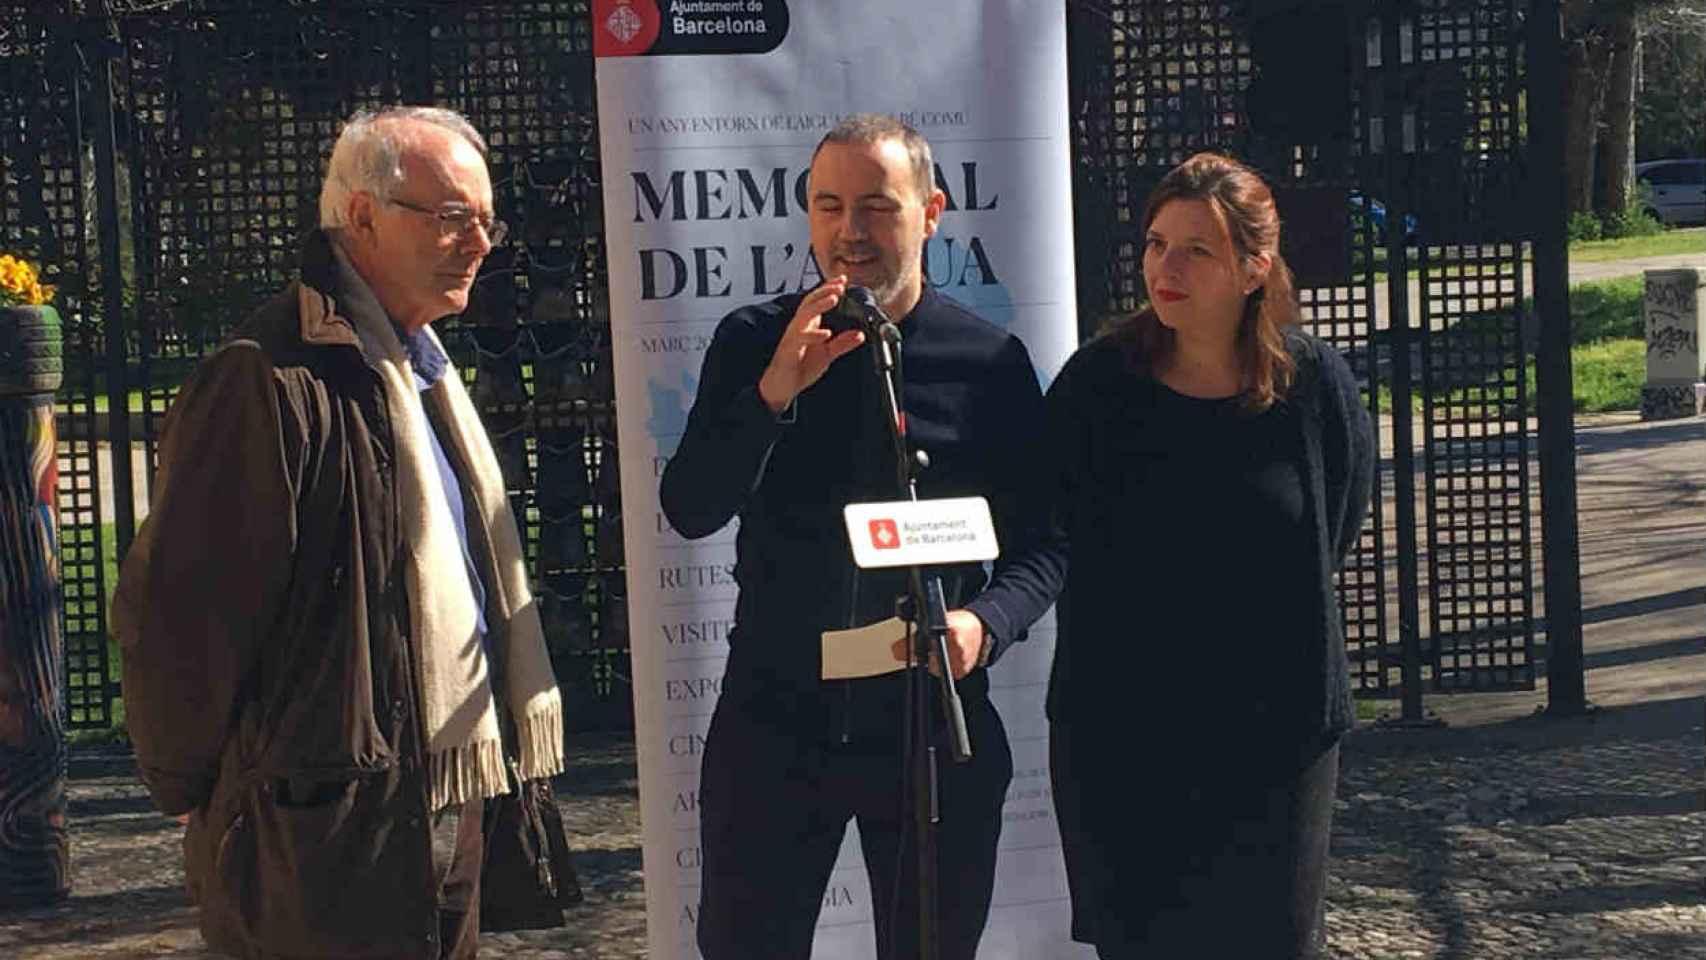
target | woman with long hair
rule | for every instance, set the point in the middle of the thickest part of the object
(1215, 466)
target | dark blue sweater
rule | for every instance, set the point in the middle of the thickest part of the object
(1273, 666)
(972, 403)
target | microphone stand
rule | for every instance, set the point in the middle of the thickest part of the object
(929, 615)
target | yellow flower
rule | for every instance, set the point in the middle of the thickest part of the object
(20, 284)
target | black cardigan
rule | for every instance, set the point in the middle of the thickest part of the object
(1339, 458)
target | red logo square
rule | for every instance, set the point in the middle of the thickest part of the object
(885, 535)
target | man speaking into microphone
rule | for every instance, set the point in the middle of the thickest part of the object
(788, 427)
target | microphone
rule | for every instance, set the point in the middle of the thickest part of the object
(867, 303)
(876, 321)
(857, 310)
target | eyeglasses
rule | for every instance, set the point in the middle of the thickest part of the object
(455, 220)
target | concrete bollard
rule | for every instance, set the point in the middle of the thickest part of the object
(1673, 307)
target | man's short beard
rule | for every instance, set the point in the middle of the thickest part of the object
(892, 287)
(887, 291)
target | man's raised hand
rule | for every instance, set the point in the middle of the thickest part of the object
(806, 349)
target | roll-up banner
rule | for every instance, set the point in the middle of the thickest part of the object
(708, 114)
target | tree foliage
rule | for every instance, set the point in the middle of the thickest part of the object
(1603, 40)
(1670, 109)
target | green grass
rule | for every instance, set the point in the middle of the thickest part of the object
(1458, 270)
(109, 559)
(112, 736)
(1608, 355)
(1604, 309)
(1667, 243)
(101, 403)
(1689, 240)
(1607, 375)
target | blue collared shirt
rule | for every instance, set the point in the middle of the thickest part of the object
(429, 364)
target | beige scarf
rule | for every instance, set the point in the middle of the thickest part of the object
(465, 753)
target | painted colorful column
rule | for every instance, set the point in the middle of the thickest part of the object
(35, 861)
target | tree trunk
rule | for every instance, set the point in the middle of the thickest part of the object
(1587, 57)
(1617, 178)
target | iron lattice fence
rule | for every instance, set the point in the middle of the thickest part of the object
(223, 115)
(1395, 137)
(183, 144)
(233, 108)
(1470, 144)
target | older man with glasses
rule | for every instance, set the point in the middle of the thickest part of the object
(331, 657)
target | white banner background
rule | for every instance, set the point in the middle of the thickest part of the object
(691, 149)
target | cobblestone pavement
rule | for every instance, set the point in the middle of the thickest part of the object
(1531, 839)
(1537, 838)
(128, 896)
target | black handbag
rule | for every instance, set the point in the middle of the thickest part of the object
(526, 877)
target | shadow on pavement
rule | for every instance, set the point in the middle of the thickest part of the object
(1552, 810)
(1653, 720)
(93, 918)
(1694, 596)
(1632, 897)
(1613, 439)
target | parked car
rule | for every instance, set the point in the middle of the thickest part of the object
(1377, 217)
(1677, 190)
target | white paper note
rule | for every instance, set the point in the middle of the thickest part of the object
(863, 651)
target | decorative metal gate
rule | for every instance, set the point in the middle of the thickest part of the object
(221, 115)
(1395, 136)
(161, 161)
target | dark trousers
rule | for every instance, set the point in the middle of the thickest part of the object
(774, 807)
(458, 850)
